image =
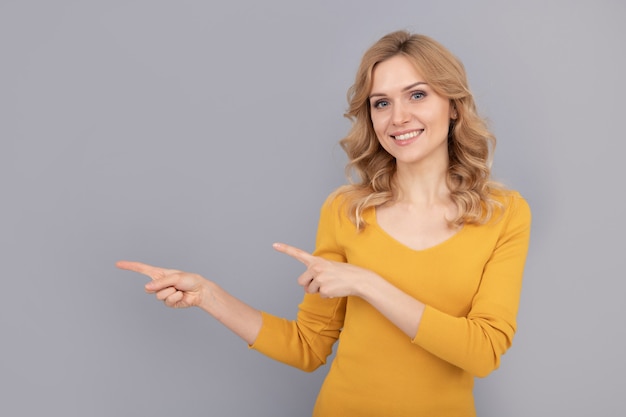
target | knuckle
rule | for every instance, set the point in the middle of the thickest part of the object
(317, 268)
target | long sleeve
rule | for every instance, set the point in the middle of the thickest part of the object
(306, 342)
(477, 341)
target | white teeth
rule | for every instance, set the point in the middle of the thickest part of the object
(407, 135)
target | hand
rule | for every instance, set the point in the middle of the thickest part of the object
(176, 289)
(328, 278)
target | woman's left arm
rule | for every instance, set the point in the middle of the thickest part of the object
(475, 342)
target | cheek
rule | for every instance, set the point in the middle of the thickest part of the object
(378, 122)
(438, 119)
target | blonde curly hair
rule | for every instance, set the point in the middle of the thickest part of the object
(470, 143)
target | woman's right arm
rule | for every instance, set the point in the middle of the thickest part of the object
(178, 289)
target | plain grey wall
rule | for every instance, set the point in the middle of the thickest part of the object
(193, 134)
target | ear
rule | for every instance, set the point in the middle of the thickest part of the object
(453, 112)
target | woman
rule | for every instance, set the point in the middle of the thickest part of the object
(418, 262)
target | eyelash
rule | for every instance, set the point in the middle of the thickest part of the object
(380, 104)
(421, 93)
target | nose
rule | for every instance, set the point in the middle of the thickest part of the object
(400, 114)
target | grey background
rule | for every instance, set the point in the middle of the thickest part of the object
(193, 134)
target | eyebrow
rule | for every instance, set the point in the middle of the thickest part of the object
(407, 88)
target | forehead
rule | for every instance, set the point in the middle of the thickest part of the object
(395, 73)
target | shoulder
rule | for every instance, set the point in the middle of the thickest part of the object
(513, 207)
(335, 208)
(512, 200)
(335, 201)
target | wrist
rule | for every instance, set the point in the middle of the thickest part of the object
(208, 294)
(366, 285)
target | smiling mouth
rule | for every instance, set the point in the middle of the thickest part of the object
(407, 136)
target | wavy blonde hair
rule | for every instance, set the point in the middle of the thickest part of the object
(470, 143)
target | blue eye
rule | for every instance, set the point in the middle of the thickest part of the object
(418, 95)
(381, 104)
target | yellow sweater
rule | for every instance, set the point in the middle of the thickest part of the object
(471, 286)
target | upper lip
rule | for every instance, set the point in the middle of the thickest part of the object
(404, 132)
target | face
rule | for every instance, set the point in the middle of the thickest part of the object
(411, 121)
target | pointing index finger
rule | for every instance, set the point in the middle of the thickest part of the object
(302, 256)
(145, 269)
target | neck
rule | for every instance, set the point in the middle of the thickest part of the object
(421, 185)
